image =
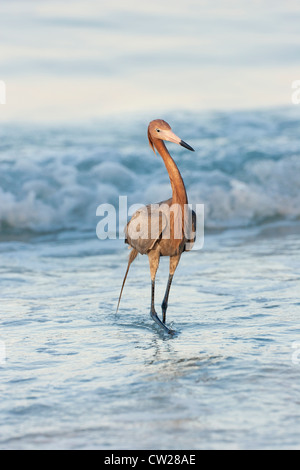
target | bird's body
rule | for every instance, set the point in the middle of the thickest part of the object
(166, 228)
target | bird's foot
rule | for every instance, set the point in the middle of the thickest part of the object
(155, 317)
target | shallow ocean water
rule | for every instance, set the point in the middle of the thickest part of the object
(73, 373)
(76, 375)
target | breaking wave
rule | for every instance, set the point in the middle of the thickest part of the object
(245, 169)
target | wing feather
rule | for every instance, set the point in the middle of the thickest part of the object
(146, 227)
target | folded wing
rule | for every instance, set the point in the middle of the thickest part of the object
(146, 227)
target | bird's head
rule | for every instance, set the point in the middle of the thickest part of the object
(159, 129)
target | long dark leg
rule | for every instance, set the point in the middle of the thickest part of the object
(174, 260)
(154, 261)
(153, 313)
(164, 305)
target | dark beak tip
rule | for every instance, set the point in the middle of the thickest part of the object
(187, 146)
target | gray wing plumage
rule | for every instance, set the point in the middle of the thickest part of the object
(151, 223)
(146, 227)
(190, 230)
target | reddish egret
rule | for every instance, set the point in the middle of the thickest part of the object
(166, 228)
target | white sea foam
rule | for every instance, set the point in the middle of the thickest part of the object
(272, 190)
(245, 171)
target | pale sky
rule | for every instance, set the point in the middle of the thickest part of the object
(74, 60)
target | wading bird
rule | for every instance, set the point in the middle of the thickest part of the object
(166, 228)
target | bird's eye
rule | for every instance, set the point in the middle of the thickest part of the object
(157, 130)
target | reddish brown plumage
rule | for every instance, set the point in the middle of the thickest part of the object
(173, 222)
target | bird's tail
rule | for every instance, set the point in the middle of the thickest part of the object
(133, 254)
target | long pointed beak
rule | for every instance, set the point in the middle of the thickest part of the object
(170, 136)
(187, 146)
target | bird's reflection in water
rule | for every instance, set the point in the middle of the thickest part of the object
(169, 362)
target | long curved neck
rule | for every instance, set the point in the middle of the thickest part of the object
(179, 195)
